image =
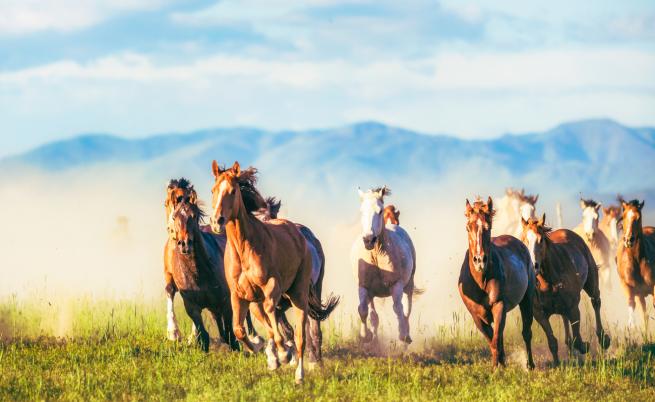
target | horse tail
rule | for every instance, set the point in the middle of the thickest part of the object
(418, 291)
(319, 311)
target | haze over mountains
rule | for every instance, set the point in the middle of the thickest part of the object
(592, 156)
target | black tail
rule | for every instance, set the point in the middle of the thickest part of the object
(319, 311)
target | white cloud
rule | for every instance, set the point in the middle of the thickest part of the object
(26, 16)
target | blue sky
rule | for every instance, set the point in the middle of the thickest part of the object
(469, 68)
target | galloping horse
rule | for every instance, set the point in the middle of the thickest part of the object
(384, 264)
(195, 259)
(391, 215)
(636, 259)
(564, 267)
(598, 243)
(264, 261)
(314, 333)
(514, 205)
(177, 191)
(609, 225)
(495, 277)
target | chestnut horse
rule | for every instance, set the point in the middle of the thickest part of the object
(636, 259)
(195, 259)
(391, 215)
(177, 191)
(564, 267)
(264, 261)
(314, 333)
(384, 263)
(598, 243)
(495, 277)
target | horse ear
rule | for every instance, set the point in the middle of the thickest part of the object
(642, 204)
(582, 204)
(542, 220)
(534, 199)
(236, 168)
(397, 214)
(598, 206)
(216, 169)
(524, 223)
(490, 204)
(468, 207)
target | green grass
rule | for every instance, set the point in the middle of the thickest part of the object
(117, 351)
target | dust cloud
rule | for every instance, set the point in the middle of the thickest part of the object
(100, 233)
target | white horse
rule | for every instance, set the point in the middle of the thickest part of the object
(596, 240)
(384, 263)
(512, 207)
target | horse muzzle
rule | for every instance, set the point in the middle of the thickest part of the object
(185, 247)
(369, 242)
(479, 263)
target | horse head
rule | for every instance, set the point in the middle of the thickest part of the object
(478, 225)
(590, 217)
(533, 235)
(612, 215)
(631, 221)
(185, 220)
(371, 209)
(178, 190)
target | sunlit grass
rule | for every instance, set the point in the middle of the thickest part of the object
(84, 350)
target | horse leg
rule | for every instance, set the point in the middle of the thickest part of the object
(172, 330)
(526, 332)
(497, 347)
(196, 316)
(255, 339)
(574, 316)
(315, 339)
(239, 312)
(642, 304)
(592, 290)
(567, 332)
(375, 319)
(285, 327)
(300, 307)
(542, 319)
(257, 309)
(272, 294)
(403, 322)
(364, 333)
(631, 304)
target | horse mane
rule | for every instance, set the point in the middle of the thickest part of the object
(481, 207)
(634, 203)
(589, 202)
(384, 190)
(252, 199)
(181, 183)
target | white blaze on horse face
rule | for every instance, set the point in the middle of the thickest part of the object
(221, 190)
(371, 216)
(532, 242)
(478, 248)
(590, 220)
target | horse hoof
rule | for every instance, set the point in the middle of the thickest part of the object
(407, 339)
(299, 381)
(367, 338)
(174, 335)
(605, 341)
(530, 365)
(272, 364)
(582, 347)
(257, 343)
(285, 356)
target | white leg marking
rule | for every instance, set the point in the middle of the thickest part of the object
(631, 317)
(173, 330)
(300, 371)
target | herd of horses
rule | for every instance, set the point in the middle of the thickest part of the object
(247, 262)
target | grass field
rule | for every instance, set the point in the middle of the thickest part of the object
(117, 350)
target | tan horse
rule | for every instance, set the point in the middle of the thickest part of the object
(495, 277)
(636, 259)
(264, 261)
(391, 215)
(513, 206)
(564, 267)
(610, 226)
(598, 243)
(384, 263)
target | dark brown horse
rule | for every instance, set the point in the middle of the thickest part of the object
(314, 333)
(178, 191)
(496, 276)
(196, 261)
(264, 261)
(635, 258)
(564, 266)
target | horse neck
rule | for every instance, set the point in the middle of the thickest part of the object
(241, 229)
(380, 243)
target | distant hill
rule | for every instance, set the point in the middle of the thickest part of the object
(599, 156)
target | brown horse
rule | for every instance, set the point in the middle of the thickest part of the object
(495, 277)
(564, 267)
(598, 243)
(636, 259)
(177, 191)
(196, 267)
(314, 333)
(264, 262)
(391, 215)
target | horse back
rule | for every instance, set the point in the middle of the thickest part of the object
(512, 257)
